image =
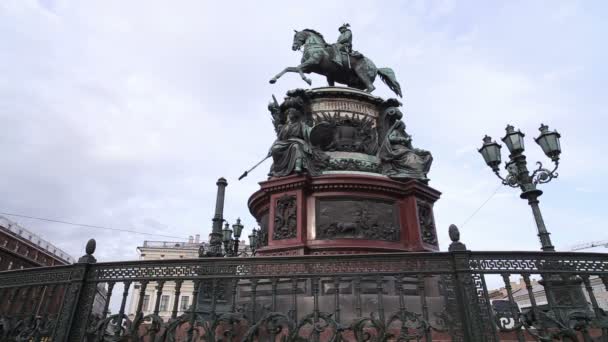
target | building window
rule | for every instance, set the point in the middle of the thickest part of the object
(145, 303)
(185, 303)
(164, 303)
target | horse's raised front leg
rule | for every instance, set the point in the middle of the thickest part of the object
(297, 69)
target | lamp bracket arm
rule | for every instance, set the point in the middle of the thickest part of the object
(511, 180)
(542, 175)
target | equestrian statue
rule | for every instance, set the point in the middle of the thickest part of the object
(338, 62)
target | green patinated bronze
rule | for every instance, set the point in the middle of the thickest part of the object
(337, 62)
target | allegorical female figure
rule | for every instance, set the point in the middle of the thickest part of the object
(399, 158)
(292, 152)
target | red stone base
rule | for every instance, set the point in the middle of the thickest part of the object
(344, 214)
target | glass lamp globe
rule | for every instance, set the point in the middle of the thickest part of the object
(226, 233)
(549, 142)
(238, 228)
(514, 140)
(490, 150)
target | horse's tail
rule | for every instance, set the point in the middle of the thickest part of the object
(388, 77)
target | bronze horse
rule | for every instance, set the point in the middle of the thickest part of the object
(360, 73)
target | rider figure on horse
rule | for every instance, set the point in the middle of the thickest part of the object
(344, 44)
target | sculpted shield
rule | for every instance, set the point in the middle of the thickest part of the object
(322, 134)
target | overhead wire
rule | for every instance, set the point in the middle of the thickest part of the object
(180, 237)
(91, 226)
(481, 206)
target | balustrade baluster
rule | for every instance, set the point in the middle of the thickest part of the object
(489, 309)
(399, 284)
(121, 311)
(25, 298)
(213, 298)
(193, 313)
(357, 285)
(3, 293)
(512, 306)
(424, 306)
(106, 307)
(254, 285)
(315, 294)
(337, 299)
(605, 281)
(537, 319)
(36, 300)
(44, 299)
(12, 294)
(294, 299)
(549, 293)
(140, 301)
(178, 289)
(235, 283)
(596, 308)
(159, 291)
(50, 296)
(380, 297)
(275, 282)
(6, 299)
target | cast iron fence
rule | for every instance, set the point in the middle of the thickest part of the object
(440, 296)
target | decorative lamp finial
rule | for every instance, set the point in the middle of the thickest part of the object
(456, 245)
(88, 258)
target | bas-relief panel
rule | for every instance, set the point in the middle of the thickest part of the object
(356, 218)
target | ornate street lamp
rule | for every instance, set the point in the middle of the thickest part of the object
(518, 174)
(491, 153)
(231, 245)
(221, 242)
(254, 240)
(549, 142)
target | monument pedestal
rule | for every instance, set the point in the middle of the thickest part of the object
(344, 213)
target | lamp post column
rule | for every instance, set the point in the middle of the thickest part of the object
(215, 238)
(531, 193)
(543, 234)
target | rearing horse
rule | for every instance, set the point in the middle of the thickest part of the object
(360, 73)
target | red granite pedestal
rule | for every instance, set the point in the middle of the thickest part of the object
(344, 214)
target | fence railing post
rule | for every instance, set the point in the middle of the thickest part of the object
(463, 283)
(78, 300)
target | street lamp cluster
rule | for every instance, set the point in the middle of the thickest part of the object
(225, 242)
(231, 244)
(518, 175)
(228, 246)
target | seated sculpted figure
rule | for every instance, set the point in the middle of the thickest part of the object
(292, 152)
(399, 158)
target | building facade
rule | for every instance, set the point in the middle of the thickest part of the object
(160, 250)
(522, 299)
(21, 248)
(162, 299)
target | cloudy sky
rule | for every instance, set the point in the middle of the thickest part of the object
(124, 113)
